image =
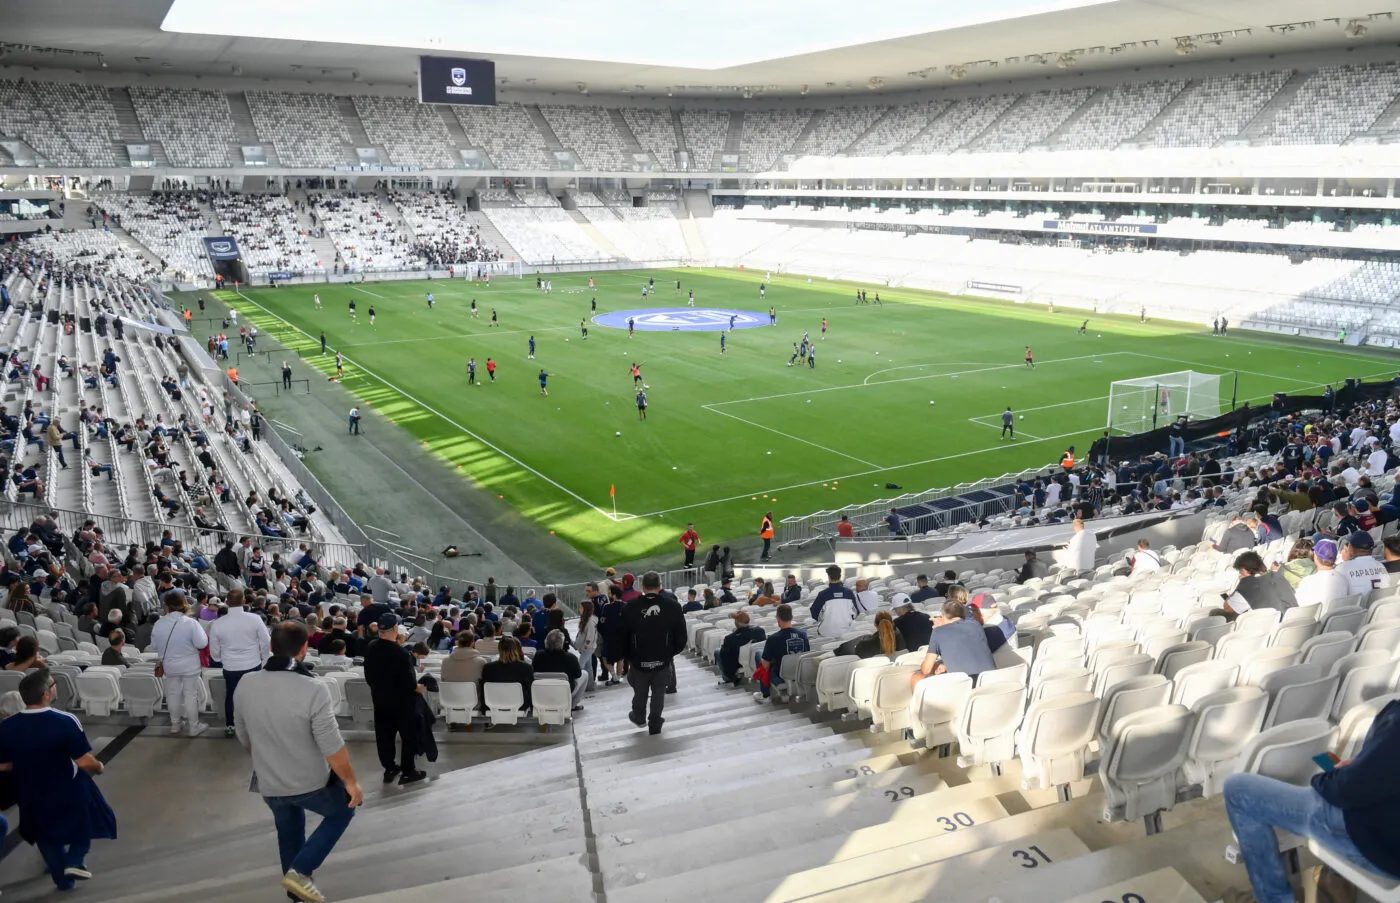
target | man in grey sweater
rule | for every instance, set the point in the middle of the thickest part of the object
(284, 717)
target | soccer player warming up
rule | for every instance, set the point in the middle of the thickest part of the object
(1030, 358)
(1008, 423)
(544, 380)
(641, 404)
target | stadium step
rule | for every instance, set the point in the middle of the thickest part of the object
(1259, 124)
(680, 130)
(1079, 113)
(1145, 135)
(455, 133)
(850, 149)
(597, 236)
(799, 144)
(551, 140)
(127, 119)
(733, 141)
(624, 131)
(562, 880)
(356, 126)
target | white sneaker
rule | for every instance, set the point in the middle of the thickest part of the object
(198, 728)
(174, 728)
(759, 697)
(300, 886)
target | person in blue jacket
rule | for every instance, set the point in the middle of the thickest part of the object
(1350, 809)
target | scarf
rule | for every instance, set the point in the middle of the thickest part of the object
(282, 663)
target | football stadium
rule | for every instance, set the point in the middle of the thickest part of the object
(663, 453)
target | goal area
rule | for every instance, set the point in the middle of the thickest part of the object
(1149, 402)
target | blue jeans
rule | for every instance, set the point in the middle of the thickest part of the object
(774, 681)
(60, 856)
(231, 679)
(289, 814)
(1176, 446)
(1256, 805)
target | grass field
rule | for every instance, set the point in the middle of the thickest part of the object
(729, 437)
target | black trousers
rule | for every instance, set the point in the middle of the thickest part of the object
(690, 558)
(390, 721)
(651, 683)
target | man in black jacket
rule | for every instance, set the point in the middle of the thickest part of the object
(1033, 568)
(653, 633)
(728, 655)
(393, 684)
(1349, 809)
(226, 562)
(912, 624)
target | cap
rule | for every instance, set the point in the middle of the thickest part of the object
(1325, 549)
(899, 600)
(1362, 505)
(983, 600)
(388, 622)
(1360, 540)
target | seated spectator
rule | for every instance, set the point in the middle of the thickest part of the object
(692, 602)
(1390, 552)
(525, 634)
(885, 640)
(792, 590)
(1362, 571)
(786, 640)
(1299, 564)
(727, 656)
(1236, 538)
(950, 578)
(913, 625)
(112, 655)
(487, 644)
(465, 663)
(1349, 809)
(834, 608)
(1258, 588)
(1143, 560)
(510, 667)
(555, 659)
(1078, 553)
(866, 598)
(1032, 569)
(335, 656)
(26, 655)
(340, 630)
(957, 644)
(765, 595)
(9, 638)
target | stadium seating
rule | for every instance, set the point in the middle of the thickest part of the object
(835, 129)
(306, 129)
(640, 233)
(892, 132)
(1335, 103)
(655, 131)
(589, 132)
(507, 134)
(269, 235)
(961, 122)
(365, 234)
(442, 232)
(705, 134)
(194, 127)
(66, 124)
(1117, 115)
(1213, 108)
(171, 226)
(544, 234)
(1031, 122)
(413, 134)
(768, 134)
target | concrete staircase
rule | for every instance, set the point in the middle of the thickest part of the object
(593, 232)
(947, 112)
(695, 245)
(455, 133)
(130, 126)
(680, 131)
(324, 247)
(491, 236)
(247, 130)
(892, 111)
(1156, 121)
(1089, 102)
(799, 144)
(735, 139)
(551, 140)
(1386, 128)
(1257, 126)
(697, 202)
(358, 136)
(624, 131)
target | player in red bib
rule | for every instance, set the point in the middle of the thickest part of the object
(491, 369)
(1030, 359)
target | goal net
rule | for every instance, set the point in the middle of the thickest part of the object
(1149, 402)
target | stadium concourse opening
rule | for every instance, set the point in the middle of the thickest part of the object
(683, 319)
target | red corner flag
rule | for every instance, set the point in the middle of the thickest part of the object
(612, 490)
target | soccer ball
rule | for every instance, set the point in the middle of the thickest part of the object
(618, 433)
(1100, 335)
(1023, 416)
(933, 402)
(566, 339)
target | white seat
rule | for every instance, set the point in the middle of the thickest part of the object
(1195, 681)
(1385, 637)
(458, 700)
(359, 703)
(833, 681)
(1158, 643)
(1111, 651)
(503, 702)
(1362, 679)
(1384, 612)
(1285, 752)
(99, 690)
(335, 688)
(142, 692)
(1375, 886)
(1127, 698)
(1265, 662)
(861, 687)
(1355, 723)
(48, 641)
(1293, 634)
(1013, 674)
(1226, 721)
(1140, 762)
(1346, 620)
(889, 698)
(1073, 680)
(1324, 649)
(1054, 740)
(986, 726)
(1174, 658)
(1299, 693)
(904, 658)
(1114, 673)
(935, 706)
(1258, 620)
(1237, 647)
(552, 701)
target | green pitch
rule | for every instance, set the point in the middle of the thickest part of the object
(909, 392)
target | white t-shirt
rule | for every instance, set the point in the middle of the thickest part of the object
(868, 600)
(1363, 574)
(1357, 434)
(1073, 485)
(1375, 464)
(1395, 431)
(1322, 586)
(1052, 494)
(1352, 476)
(1145, 561)
(837, 615)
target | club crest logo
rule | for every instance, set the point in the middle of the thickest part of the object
(459, 76)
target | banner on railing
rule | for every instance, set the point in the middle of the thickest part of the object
(222, 248)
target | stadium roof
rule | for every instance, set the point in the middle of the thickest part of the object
(722, 48)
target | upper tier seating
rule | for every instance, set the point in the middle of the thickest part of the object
(306, 129)
(507, 133)
(655, 131)
(768, 134)
(440, 226)
(894, 131)
(1031, 121)
(589, 132)
(172, 226)
(837, 128)
(958, 124)
(705, 133)
(269, 236)
(412, 133)
(195, 128)
(1213, 108)
(1335, 103)
(1116, 115)
(66, 124)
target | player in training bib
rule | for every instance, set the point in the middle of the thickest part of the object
(636, 371)
(641, 405)
(1030, 358)
(352, 308)
(583, 329)
(494, 320)
(1084, 327)
(792, 360)
(491, 369)
(823, 329)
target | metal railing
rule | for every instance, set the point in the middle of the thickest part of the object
(868, 519)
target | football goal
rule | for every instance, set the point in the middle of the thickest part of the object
(1149, 402)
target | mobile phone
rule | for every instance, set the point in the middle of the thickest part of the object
(1326, 761)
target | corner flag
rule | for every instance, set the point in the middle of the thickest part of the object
(612, 490)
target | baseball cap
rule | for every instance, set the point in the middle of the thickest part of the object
(1325, 549)
(1362, 505)
(1360, 540)
(900, 599)
(388, 622)
(983, 600)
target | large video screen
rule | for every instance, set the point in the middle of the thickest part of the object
(444, 79)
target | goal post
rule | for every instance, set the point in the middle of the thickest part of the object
(1148, 402)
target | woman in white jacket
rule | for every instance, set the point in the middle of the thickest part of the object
(1078, 556)
(586, 639)
(178, 639)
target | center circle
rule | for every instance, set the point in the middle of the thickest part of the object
(682, 319)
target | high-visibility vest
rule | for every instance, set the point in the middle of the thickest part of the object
(1067, 462)
(766, 531)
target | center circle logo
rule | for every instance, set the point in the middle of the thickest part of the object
(682, 319)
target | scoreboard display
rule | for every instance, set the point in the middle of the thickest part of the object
(444, 79)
